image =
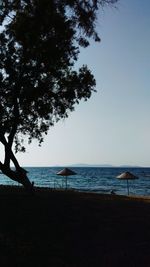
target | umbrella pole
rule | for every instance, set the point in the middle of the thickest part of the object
(128, 186)
(66, 182)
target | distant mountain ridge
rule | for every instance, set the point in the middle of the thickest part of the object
(102, 165)
(91, 165)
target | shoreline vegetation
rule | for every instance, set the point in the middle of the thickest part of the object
(73, 229)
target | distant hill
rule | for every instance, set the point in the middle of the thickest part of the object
(91, 165)
(102, 165)
(85, 165)
(129, 166)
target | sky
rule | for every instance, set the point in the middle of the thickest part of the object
(113, 126)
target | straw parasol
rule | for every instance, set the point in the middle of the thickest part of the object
(66, 172)
(127, 176)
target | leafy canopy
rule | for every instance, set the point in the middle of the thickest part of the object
(39, 45)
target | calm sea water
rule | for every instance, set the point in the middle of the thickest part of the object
(98, 180)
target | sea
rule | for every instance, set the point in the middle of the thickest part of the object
(87, 179)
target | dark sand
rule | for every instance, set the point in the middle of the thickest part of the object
(54, 228)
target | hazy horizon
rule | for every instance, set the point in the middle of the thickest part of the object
(78, 165)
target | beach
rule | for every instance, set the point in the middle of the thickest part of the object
(70, 228)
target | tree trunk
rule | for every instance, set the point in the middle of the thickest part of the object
(19, 175)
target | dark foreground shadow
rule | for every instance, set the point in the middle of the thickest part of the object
(71, 229)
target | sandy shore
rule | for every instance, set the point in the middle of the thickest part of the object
(67, 228)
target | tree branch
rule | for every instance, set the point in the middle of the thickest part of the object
(9, 155)
(15, 123)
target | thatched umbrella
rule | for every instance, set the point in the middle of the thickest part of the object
(127, 176)
(66, 172)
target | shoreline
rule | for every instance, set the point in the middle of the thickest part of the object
(91, 194)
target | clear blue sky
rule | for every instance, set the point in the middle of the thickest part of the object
(114, 125)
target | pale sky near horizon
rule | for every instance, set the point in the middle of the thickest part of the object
(113, 126)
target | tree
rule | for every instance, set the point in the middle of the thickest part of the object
(39, 45)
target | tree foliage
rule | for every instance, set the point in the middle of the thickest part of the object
(40, 42)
